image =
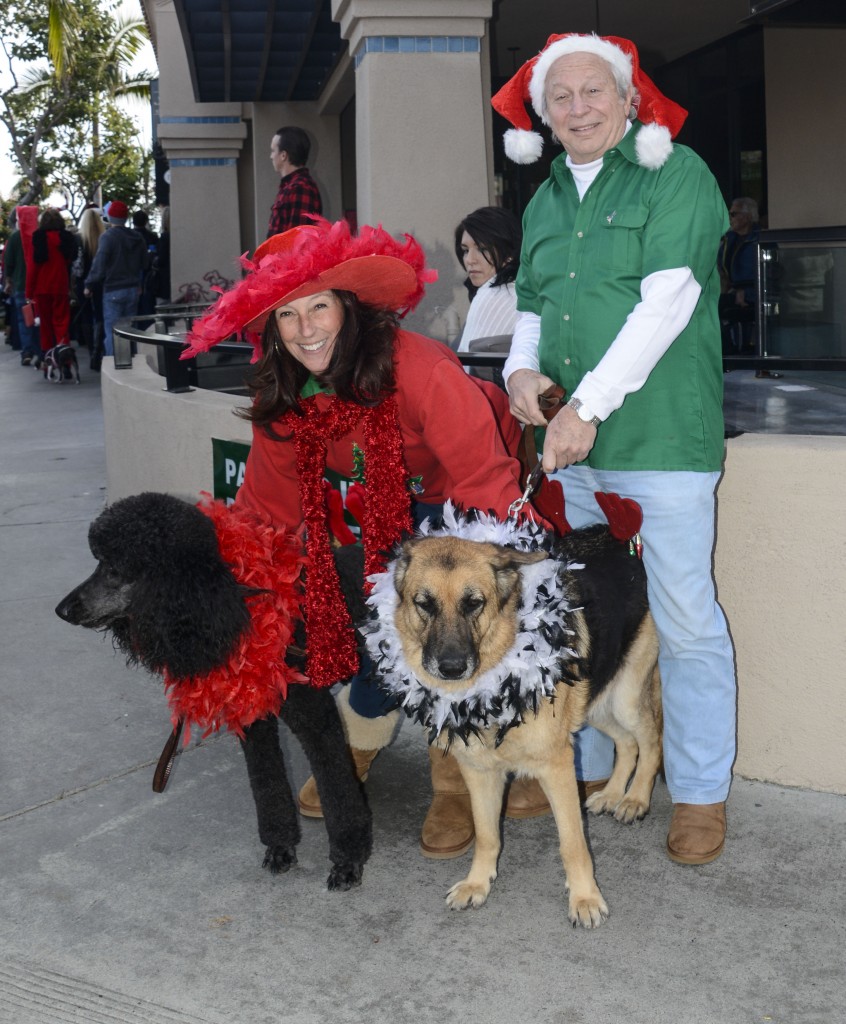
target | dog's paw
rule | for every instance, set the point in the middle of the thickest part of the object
(604, 801)
(467, 894)
(344, 877)
(279, 859)
(587, 911)
(630, 809)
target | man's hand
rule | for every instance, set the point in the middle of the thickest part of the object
(524, 386)
(568, 439)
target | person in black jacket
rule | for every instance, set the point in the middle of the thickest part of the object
(120, 261)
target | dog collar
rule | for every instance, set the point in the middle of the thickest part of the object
(536, 662)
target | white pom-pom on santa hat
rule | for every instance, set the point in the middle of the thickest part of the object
(521, 146)
(653, 146)
(661, 118)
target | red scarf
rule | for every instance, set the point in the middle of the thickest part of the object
(331, 642)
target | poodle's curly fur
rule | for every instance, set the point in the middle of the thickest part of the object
(174, 605)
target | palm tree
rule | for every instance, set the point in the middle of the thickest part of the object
(63, 23)
(78, 59)
(114, 74)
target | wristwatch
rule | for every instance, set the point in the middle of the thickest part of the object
(582, 411)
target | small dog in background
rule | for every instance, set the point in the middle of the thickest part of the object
(59, 364)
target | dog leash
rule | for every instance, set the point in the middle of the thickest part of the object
(532, 483)
(165, 765)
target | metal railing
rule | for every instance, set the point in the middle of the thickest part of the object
(225, 368)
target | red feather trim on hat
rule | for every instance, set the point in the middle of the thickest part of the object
(316, 249)
(254, 680)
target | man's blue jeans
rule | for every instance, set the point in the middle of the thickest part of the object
(696, 656)
(119, 303)
(30, 338)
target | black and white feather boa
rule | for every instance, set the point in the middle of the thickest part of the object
(529, 672)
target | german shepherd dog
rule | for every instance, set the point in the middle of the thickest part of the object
(458, 609)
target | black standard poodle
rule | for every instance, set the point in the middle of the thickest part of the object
(210, 599)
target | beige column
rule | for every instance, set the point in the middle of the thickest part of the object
(423, 150)
(205, 224)
(202, 142)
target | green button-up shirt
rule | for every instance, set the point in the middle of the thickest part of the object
(581, 269)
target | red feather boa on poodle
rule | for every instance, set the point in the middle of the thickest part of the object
(254, 680)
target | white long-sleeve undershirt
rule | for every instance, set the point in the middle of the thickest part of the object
(668, 298)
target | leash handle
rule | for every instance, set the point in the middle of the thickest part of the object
(165, 765)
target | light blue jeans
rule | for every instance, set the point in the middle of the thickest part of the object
(117, 304)
(696, 655)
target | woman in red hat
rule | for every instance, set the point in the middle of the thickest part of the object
(340, 386)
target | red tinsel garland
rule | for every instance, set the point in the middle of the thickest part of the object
(254, 680)
(387, 515)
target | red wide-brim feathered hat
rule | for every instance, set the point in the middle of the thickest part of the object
(376, 267)
(661, 117)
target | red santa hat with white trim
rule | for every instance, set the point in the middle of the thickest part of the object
(662, 119)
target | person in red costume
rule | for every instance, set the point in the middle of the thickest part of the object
(339, 385)
(48, 279)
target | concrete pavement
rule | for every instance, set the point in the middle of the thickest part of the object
(119, 905)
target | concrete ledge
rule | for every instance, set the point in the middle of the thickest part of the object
(157, 441)
(779, 563)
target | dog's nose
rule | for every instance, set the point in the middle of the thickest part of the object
(64, 609)
(452, 666)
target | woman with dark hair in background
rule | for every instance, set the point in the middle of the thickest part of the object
(487, 244)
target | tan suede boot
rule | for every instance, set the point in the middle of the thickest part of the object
(365, 737)
(697, 833)
(308, 799)
(448, 829)
(526, 799)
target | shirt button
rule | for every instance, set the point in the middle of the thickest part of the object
(566, 316)
(572, 273)
(567, 361)
(580, 234)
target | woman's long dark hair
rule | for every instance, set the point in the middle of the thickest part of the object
(499, 234)
(361, 368)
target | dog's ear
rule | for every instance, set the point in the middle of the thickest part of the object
(506, 567)
(402, 563)
(188, 622)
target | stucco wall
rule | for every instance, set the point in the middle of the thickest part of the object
(781, 574)
(780, 561)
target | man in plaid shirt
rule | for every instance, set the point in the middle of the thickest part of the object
(298, 194)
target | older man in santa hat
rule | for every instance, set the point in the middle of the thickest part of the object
(618, 291)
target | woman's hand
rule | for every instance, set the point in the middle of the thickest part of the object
(568, 440)
(524, 386)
